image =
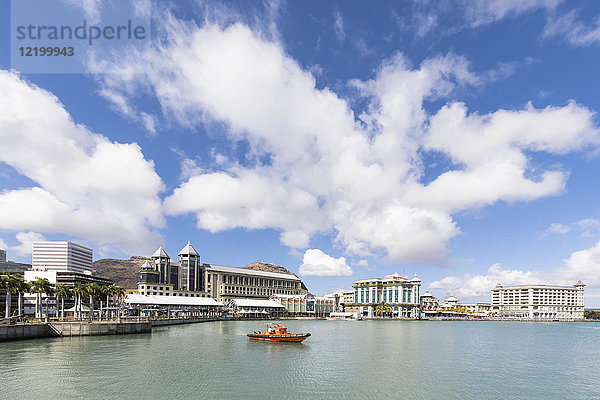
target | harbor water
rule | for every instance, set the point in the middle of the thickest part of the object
(341, 360)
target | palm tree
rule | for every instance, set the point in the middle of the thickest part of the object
(39, 286)
(383, 308)
(79, 291)
(62, 291)
(4, 282)
(23, 287)
(48, 291)
(92, 290)
(120, 292)
(11, 282)
(107, 290)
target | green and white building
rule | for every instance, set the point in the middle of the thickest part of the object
(399, 292)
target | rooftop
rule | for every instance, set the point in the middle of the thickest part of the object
(257, 303)
(499, 286)
(251, 272)
(188, 250)
(171, 300)
(160, 252)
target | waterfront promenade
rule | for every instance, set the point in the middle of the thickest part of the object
(39, 330)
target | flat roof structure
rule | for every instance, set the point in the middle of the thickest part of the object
(257, 303)
(171, 300)
(500, 287)
(249, 272)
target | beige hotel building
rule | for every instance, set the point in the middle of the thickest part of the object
(538, 302)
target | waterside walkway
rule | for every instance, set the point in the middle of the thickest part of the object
(38, 330)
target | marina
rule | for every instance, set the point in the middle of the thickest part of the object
(371, 359)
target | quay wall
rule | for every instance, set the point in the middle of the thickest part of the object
(86, 328)
(25, 331)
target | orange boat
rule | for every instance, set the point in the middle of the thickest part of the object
(278, 333)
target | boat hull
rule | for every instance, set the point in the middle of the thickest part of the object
(290, 337)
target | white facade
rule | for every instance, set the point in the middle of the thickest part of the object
(61, 256)
(429, 302)
(340, 298)
(230, 282)
(538, 302)
(401, 293)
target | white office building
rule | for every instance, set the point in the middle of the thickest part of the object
(61, 256)
(538, 302)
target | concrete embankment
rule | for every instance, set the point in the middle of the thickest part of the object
(85, 328)
(40, 330)
(25, 331)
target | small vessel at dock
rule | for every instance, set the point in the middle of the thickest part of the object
(277, 333)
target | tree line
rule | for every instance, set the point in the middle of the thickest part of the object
(16, 285)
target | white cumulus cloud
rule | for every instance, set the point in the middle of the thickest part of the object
(581, 265)
(317, 263)
(85, 185)
(468, 285)
(330, 170)
(26, 240)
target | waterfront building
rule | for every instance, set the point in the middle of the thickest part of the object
(306, 305)
(256, 308)
(341, 298)
(477, 309)
(401, 293)
(175, 307)
(191, 278)
(538, 302)
(190, 269)
(13, 268)
(231, 282)
(450, 302)
(161, 277)
(162, 266)
(429, 302)
(61, 256)
(62, 263)
(451, 308)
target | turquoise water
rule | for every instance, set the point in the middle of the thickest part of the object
(341, 360)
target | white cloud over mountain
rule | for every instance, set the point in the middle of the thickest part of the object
(330, 170)
(85, 185)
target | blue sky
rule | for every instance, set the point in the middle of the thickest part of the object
(453, 139)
